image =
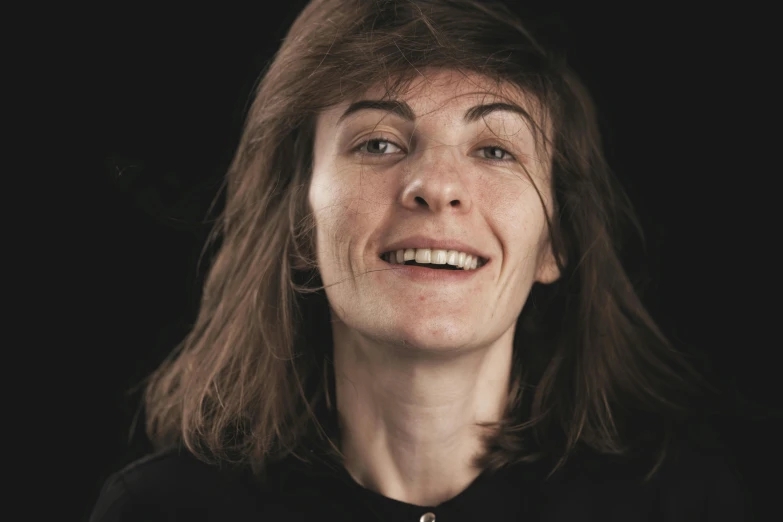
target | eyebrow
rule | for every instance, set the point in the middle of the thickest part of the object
(404, 111)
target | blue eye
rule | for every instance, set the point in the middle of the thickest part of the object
(376, 147)
(382, 147)
(498, 154)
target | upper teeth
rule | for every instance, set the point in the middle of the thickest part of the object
(435, 257)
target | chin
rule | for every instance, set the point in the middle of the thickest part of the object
(435, 334)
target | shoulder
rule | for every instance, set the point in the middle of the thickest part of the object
(175, 485)
(698, 480)
(702, 476)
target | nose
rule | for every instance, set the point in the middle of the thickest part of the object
(436, 185)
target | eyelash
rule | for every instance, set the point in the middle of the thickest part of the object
(359, 147)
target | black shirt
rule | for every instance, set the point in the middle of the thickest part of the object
(692, 485)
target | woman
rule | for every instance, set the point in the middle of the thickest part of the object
(417, 311)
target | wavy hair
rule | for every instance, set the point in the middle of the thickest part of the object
(253, 381)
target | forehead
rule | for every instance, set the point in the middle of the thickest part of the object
(445, 93)
(439, 86)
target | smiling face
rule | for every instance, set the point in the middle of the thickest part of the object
(443, 166)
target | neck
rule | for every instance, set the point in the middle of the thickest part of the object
(409, 419)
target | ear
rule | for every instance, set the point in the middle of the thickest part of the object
(547, 270)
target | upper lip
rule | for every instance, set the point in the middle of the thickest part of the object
(434, 244)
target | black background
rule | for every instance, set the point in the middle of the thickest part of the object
(683, 100)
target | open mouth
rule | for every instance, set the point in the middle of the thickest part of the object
(441, 260)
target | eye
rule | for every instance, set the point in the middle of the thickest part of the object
(377, 147)
(383, 147)
(497, 154)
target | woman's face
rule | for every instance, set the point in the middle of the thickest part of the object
(433, 173)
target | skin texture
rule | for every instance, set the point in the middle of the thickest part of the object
(417, 364)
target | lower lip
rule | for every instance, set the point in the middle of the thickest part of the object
(420, 273)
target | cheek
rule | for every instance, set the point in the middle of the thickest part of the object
(347, 207)
(331, 236)
(519, 220)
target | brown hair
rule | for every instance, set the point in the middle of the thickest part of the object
(253, 380)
